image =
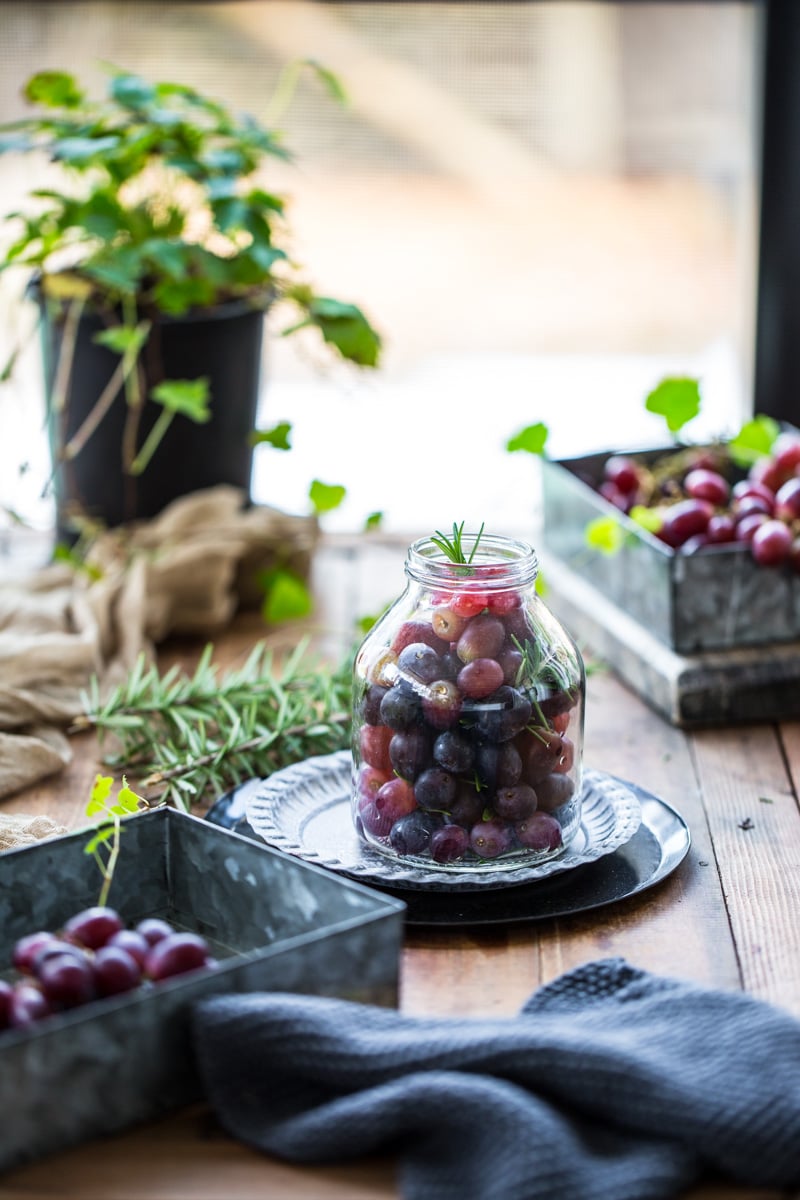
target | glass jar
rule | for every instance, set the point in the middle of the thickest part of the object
(468, 703)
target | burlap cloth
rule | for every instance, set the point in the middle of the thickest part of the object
(184, 573)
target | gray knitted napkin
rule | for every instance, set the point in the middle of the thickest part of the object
(610, 1083)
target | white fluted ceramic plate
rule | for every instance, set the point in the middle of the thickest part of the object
(305, 810)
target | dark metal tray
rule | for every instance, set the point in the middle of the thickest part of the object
(657, 847)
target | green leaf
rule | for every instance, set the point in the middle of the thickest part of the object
(373, 521)
(277, 436)
(191, 397)
(326, 496)
(345, 327)
(79, 150)
(648, 518)
(55, 89)
(754, 440)
(328, 79)
(677, 400)
(286, 598)
(100, 838)
(604, 534)
(177, 296)
(124, 339)
(101, 790)
(532, 438)
(127, 800)
(131, 91)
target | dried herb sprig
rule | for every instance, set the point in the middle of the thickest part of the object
(190, 738)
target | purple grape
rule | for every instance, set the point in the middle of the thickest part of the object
(412, 833)
(401, 708)
(134, 943)
(410, 752)
(175, 955)
(115, 971)
(553, 791)
(489, 839)
(449, 843)
(539, 831)
(94, 926)
(369, 710)
(420, 661)
(28, 1005)
(515, 803)
(6, 998)
(28, 947)
(467, 808)
(452, 751)
(435, 789)
(67, 981)
(57, 948)
(498, 766)
(154, 929)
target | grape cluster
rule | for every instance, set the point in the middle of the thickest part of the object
(462, 749)
(92, 957)
(700, 506)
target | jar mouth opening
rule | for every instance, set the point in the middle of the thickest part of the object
(497, 562)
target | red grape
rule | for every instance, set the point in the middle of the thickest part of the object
(483, 637)
(771, 544)
(176, 954)
(480, 678)
(539, 831)
(93, 927)
(623, 473)
(115, 971)
(787, 500)
(703, 484)
(683, 520)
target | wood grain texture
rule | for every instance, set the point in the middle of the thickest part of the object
(755, 826)
(728, 917)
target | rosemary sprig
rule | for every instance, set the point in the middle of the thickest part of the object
(453, 547)
(190, 738)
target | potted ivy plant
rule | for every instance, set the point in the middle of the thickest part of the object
(153, 261)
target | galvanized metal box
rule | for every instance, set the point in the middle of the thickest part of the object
(275, 923)
(719, 599)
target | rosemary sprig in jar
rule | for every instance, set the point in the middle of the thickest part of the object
(187, 739)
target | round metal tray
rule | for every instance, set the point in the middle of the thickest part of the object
(649, 855)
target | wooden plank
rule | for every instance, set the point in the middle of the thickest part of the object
(188, 1157)
(755, 826)
(680, 927)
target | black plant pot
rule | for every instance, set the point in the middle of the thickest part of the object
(223, 344)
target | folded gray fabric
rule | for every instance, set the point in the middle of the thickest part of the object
(611, 1083)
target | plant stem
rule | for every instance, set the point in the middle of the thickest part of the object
(66, 354)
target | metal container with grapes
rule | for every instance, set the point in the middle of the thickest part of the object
(468, 710)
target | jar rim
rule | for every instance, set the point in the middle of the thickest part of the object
(498, 562)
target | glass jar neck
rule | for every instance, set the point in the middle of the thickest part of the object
(495, 563)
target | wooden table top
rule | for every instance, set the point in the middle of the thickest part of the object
(729, 917)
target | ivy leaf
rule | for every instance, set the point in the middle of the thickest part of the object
(345, 327)
(286, 598)
(56, 89)
(532, 438)
(101, 790)
(326, 496)
(191, 397)
(648, 518)
(124, 339)
(277, 436)
(754, 440)
(132, 91)
(676, 399)
(373, 521)
(604, 534)
(81, 150)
